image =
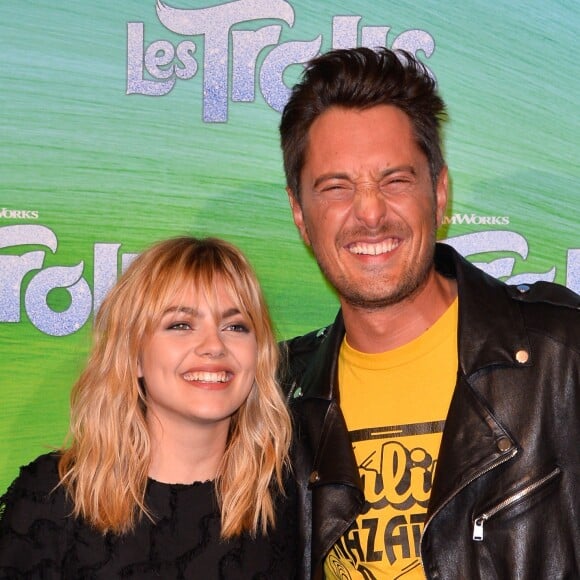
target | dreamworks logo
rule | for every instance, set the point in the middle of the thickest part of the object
(18, 214)
(477, 220)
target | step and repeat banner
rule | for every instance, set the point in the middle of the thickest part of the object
(122, 123)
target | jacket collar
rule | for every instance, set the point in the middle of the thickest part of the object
(320, 377)
(491, 329)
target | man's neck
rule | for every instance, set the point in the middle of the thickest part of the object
(379, 330)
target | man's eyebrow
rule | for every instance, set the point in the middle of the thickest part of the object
(326, 176)
(390, 170)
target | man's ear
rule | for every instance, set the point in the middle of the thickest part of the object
(441, 194)
(297, 215)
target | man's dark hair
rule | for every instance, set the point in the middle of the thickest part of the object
(361, 78)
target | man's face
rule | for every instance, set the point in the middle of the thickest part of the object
(367, 206)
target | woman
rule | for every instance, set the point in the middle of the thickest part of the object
(179, 436)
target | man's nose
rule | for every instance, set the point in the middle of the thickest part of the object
(370, 205)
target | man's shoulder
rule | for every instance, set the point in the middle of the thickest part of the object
(305, 343)
(550, 309)
(297, 352)
(546, 293)
(540, 302)
(473, 279)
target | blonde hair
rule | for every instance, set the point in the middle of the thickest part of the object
(104, 470)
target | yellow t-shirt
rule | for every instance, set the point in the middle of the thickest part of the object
(395, 404)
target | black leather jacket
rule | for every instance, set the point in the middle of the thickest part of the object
(509, 463)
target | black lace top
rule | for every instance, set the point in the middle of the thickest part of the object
(39, 540)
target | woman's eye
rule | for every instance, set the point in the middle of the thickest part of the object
(238, 327)
(179, 326)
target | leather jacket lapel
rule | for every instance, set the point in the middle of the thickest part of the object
(473, 443)
(337, 491)
(334, 480)
(491, 328)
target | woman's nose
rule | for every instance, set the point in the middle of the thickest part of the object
(210, 345)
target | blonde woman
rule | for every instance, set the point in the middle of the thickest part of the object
(176, 463)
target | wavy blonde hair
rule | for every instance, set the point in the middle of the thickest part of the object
(104, 469)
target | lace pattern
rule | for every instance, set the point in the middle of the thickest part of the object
(38, 539)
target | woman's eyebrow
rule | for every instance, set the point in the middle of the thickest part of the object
(231, 312)
(182, 309)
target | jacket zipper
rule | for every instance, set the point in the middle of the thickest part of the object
(495, 464)
(482, 518)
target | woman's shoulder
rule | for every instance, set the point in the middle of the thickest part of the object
(40, 474)
(36, 487)
(44, 465)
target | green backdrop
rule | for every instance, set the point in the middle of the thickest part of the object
(122, 123)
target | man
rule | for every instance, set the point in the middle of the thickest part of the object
(437, 418)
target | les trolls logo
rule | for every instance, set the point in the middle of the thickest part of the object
(154, 67)
(26, 282)
(84, 299)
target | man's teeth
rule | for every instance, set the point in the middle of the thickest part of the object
(207, 377)
(373, 249)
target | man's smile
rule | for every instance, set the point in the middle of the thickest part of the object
(373, 249)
